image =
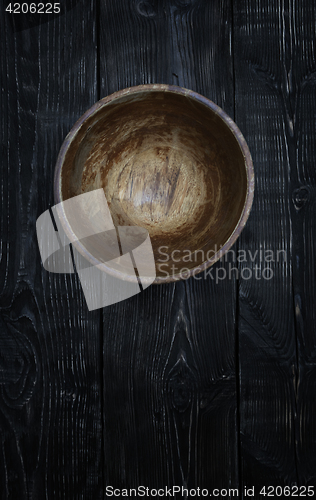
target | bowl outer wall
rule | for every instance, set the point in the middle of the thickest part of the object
(229, 123)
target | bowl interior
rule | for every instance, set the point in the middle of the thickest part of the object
(167, 162)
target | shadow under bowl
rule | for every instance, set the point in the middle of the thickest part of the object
(169, 160)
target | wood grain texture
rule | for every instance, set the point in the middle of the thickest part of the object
(49, 344)
(302, 152)
(274, 85)
(169, 354)
(145, 392)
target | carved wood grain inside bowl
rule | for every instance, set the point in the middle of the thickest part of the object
(169, 160)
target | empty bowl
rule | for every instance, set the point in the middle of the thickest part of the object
(168, 160)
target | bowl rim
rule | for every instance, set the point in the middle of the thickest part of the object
(227, 121)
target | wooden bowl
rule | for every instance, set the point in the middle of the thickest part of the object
(169, 160)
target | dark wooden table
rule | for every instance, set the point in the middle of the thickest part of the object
(198, 383)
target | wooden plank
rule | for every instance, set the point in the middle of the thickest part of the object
(169, 353)
(267, 72)
(50, 408)
(302, 104)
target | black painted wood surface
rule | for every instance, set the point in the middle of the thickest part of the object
(194, 384)
(50, 345)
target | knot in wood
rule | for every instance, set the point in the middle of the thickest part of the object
(146, 8)
(300, 197)
(181, 388)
